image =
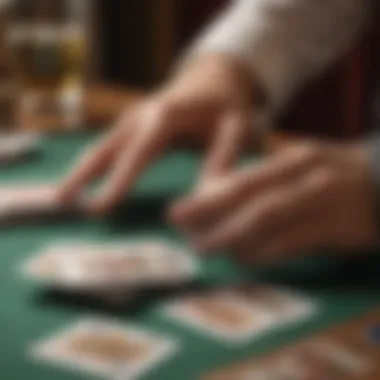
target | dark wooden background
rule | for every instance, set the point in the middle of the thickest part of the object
(334, 105)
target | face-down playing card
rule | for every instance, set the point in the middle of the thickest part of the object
(107, 348)
(239, 314)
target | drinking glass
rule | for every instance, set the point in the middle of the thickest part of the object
(49, 40)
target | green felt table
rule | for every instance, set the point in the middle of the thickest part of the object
(29, 312)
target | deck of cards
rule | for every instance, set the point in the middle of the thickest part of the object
(106, 348)
(115, 267)
(20, 199)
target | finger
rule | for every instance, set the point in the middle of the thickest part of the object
(198, 224)
(272, 210)
(205, 204)
(94, 162)
(245, 252)
(287, 242)
(147, 144)
(227, 144)
(253, 180)
(296, 240)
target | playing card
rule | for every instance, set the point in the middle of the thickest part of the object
(155, 263)
(284, 305)
(237, 314)
(28, 200)
(106, 348)
(122, 265)
(15, 146)
(17, 197)
(223, 315)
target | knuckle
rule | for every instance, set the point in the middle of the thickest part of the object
(165, 109)
(264, 218)
(311, 153)
(244, 253)
(122, 123)
(325, 180)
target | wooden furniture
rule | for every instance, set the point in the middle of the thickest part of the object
(7, 75)
(355, 338)
(138, 40)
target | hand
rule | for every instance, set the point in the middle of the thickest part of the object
(312, 196)
(210, 100)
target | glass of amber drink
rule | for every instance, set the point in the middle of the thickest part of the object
(49, 42)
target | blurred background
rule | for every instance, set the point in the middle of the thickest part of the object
(101, 55)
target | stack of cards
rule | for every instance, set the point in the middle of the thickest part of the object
(111, 267)
(26, 199)
(17, 146)
(106, 348)
(28, 202)
(242, 313)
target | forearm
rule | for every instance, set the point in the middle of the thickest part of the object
(283, 44)
(224, 68)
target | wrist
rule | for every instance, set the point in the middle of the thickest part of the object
(360, 154)
(229, 72)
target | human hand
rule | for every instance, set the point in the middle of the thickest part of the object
(209, 101)
(313, 196)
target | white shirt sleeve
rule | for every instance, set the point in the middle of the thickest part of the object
(285, 42)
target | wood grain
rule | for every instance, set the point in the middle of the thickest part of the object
(355, 333)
